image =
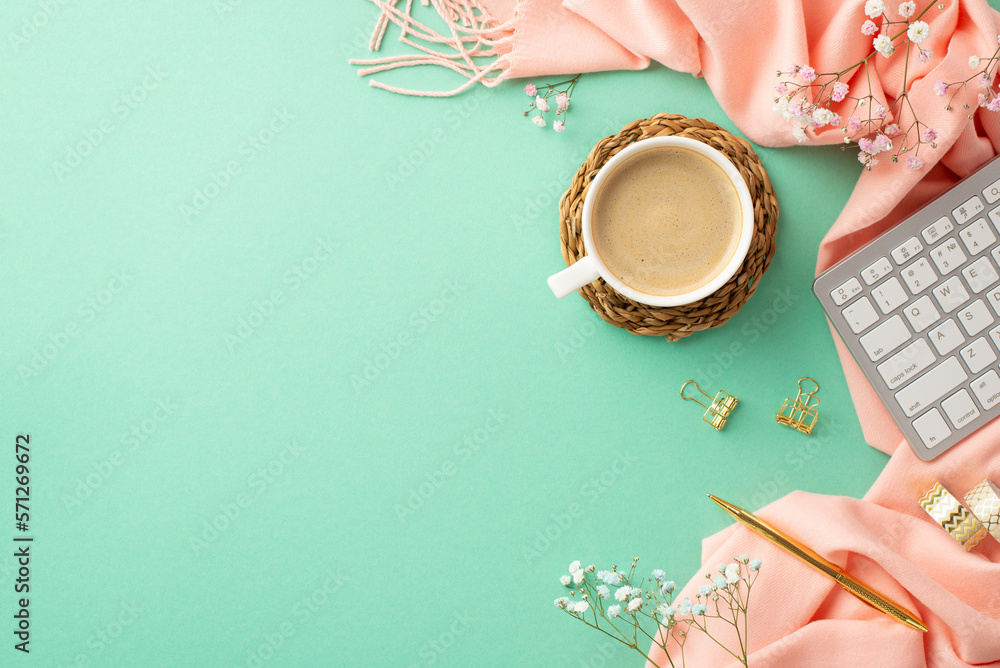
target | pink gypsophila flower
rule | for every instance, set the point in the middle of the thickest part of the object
(891, 130)
(854, 124)
(562, 102)
(558, 126)
(930, 134)
(531, 90)
(781, 88)
(984, 81)
(924, 55)
(882, 143)
(881, 111)
(940, 88)
(913, 162)
(994, 104)
(836, 121)
(807, 74)
(839, 91)
(982, 99)
(869, 28)
(866, 145)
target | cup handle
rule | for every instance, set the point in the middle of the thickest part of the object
(574, 277)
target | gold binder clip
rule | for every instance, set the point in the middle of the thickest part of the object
(800, 413)
(722, 405)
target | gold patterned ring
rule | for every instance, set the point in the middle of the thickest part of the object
(953, 516)
(984, 501)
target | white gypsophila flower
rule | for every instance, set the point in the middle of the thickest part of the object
(603, 591)
(578, 577)
(623, 593)
(781, 109)
(874, 8)
(589, 569)
(634, 604)
(918, 31)
(973, 62)
(543, 105)
(883, 45)
(565, 580)
(581, 606)
(614, 611)
(732, 573)
(538, 120)
(562, 602)
(799, 134)
(822, 116)
(574, 567)
(907, 9)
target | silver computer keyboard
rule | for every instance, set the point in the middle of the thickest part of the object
(919, 308)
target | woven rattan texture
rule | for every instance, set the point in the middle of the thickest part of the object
(675, 322)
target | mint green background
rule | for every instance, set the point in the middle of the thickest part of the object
(573, 392)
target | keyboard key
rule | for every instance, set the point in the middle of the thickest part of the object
(890, 335)
(907, 250)
(907, 363)
(992, 192)
(930, 387)
(877, 270)
(975, 318)
(978, 355)
(921, 314)
(945, 337)
(948, 257)
(889, 295)
(918, 276)
(987, 389)
(967, 211)
(860, 315)
(977, 237)
(960, 409)
(995, 217)
(936, 231)
(844, 293)
(931, 428)
(951, 294)
(980, 274)
(993, 296)
(995, 335)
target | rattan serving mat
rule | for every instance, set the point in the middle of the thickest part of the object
(674, 322)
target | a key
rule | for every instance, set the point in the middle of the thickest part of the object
(889, 295)
(860, 315)
(992, 192)
(987, 389)
(945, 337)
(977, 237)
(906, 250)
(876, 270)
(931, 386)
(948, 256)
(951, 294)
(980, 274)
(887, 337)
(918, 276)
(907, 363)
(846, 291)
(968, 210)
(921, 314)
(935, 231)
(975, 317)
(931, 428)
(978, 355)
(960, 409)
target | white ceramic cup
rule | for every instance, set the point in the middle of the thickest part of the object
(590, 267)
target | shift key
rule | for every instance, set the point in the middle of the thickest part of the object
(930, 387)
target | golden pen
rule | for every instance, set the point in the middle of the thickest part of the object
(832, 571)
